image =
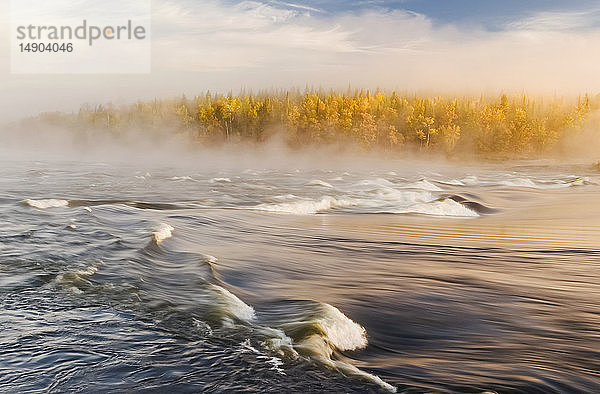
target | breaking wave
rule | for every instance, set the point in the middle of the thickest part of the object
(307, 206)
(318, 182)
(519, 182)
(446, 207)
(424, 184)
(220, 180)
(383, 200)
(231, 306)
(163, 232)
(46, 203)
(316, 331)
(181, 178)
(340, 331)
(76, 282)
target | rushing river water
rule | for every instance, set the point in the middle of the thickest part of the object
(156, 278)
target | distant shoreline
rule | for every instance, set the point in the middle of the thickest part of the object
(495, 128)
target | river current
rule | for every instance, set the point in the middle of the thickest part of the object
(153, 277)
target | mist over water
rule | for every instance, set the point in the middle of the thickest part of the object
(266, 272)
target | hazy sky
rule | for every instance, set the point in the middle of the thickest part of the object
(541, 46)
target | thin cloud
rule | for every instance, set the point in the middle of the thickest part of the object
(558, 21)
(297, 6)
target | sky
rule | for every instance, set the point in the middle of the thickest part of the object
(431, 46)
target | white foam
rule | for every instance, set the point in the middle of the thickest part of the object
(559, 184)
(452, 182)
(286, 197)
(71, 281)
(470, 180)
(446, 207)
(307, 207)
(340, 331)
(369, 376)
(375, 182)
(181, 178)
(555, 185)
(91, 270)
(545, 184)
(220, 180)
(275, 362)
(388, 196)
(247, 346)
(46, 203)
(163, 232)
(318, 182)
(232, 305)
(519, 182)
(202, 326)
(278, 342)
(145, 176)
(424, 184)
(210, 259)
(75, 290)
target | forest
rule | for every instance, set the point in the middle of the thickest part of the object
(516, 125)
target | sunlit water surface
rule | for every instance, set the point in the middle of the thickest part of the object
(155, 278)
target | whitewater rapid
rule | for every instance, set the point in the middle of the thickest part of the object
(323, 280)
(386, 193)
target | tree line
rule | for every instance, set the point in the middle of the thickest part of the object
(504, 124)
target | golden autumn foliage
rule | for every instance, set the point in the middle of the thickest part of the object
(391, 121)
